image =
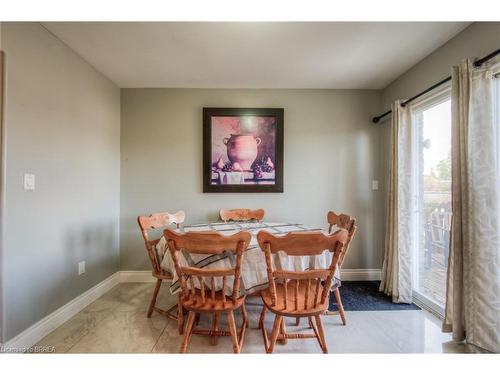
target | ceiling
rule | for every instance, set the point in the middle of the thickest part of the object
(341, 55)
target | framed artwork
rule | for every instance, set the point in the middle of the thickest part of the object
(243, 150)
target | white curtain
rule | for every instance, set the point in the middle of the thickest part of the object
(473, 287)
(400, 234)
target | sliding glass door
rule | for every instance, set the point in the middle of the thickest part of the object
(432, 123)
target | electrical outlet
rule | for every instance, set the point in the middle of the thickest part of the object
(374, 184)
(81, 268)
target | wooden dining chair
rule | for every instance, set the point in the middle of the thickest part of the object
(241, 214)
(347, 222)
(199, 294)
(154, 222)
(298, 293)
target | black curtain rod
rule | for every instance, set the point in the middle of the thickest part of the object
(477, 64)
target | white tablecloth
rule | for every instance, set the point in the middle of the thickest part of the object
(254, 271)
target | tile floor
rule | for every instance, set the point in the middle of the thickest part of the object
(117, 323)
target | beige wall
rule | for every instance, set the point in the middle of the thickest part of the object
(62, 123)
(331, 156)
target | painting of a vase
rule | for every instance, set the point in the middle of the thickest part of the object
(243, 150)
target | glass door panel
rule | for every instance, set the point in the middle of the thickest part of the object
(433, 124)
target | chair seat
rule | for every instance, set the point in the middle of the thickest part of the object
(290, 309)
(195, 302)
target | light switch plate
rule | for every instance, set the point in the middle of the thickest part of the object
(29, 181)
(374, 184)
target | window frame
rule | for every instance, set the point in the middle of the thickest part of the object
(432, 99)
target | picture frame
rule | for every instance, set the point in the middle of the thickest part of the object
(243, 150)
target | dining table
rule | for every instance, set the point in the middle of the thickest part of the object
(254, 271)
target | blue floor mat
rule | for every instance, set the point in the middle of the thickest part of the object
(364, 296)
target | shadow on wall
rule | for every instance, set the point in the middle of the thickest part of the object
(54, 280)
(97, 245)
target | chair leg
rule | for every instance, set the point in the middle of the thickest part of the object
(339, 304)
(232, 330)
(196, 319)
(187, 335)
(215, 327)
(262, 317)
(263, 328)
(321, 333)
(244, 326)
(284, 340)
(180, 315)
(153, 299)
(245, 314)
(276, 331)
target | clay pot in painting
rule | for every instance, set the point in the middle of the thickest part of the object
(242, 149)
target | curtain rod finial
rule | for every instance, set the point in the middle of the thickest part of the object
(376, 120)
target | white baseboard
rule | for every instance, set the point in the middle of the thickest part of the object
(136, 277)
(43, 327)
(37, 331)
(361, 274)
